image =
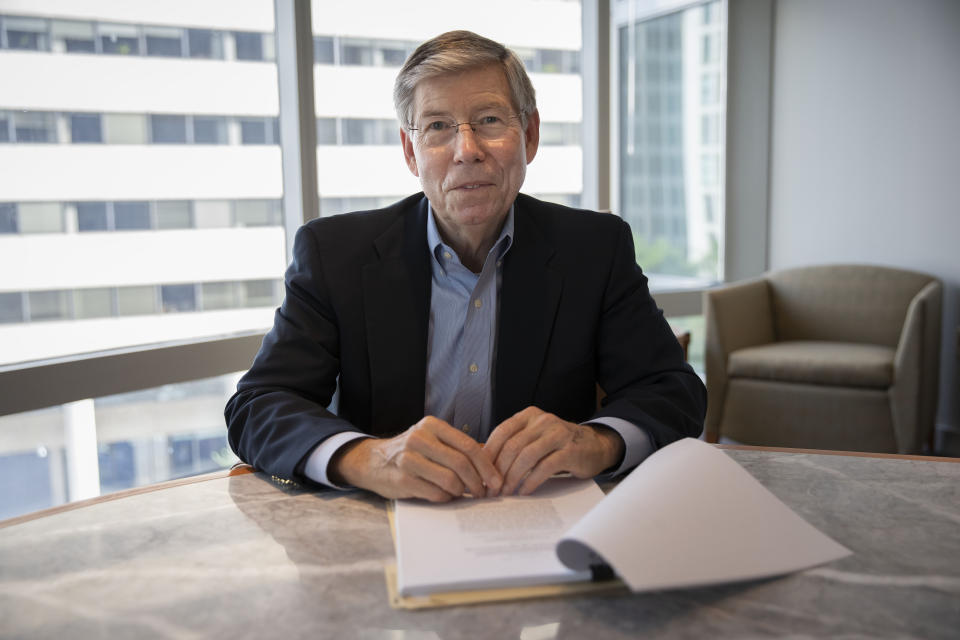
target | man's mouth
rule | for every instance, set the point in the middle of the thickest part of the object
(473, 185)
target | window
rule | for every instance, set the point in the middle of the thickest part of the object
(323, 48)
(259, 131)
(178, 297)
(249, 45)
(357, 131)
(73, 37)
(130, 216)
(219, 295)
(11, 308)
(168, 129)
(164, 41)
(34, 126)
(257, 213)
(122, 128)
(93, 303)
(258, 293)
(669, 141)
(212, 214)
(327, 131)
(26, 33)
(5, 122)
(174, 214)
(205, 43)
(8, 217)
(85, 127)
(48, 305)
(209, 130)
(120, 39)
(133, 301)
(92, 216)
(40, 217)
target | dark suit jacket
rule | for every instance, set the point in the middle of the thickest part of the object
(574, 311)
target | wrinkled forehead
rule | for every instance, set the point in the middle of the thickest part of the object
(470, 90)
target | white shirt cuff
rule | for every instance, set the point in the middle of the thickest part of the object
(319, 459)
(637, 444)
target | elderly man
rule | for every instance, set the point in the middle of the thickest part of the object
(466, 326)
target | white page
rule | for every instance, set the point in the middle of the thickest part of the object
(491, 542)
(690, 515)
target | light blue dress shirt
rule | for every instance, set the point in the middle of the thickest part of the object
(461, 353)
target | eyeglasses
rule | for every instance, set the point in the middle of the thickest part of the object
(438, 132)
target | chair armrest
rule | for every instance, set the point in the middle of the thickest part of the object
(916, 371)
(736, 316)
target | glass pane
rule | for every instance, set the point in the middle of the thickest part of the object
(326, 131)
(92, 303)
(178, 297)
(219, 295)
(85, 127)
(132, 301)
(125, 128)
(92, 216)
(8, 217)
(40, 217)
(211, 214)
(128, 216)
(249, 45)
(209, 130)
(168, 129)
(258, 293)
(162, 41)
(11, 307)
(253, 131)
(73, 36)
(5, 122)
(671, 141)
(174, 214)
(48, 305)
(205, 43)
(34, 126)
(120, 39)
(256, 213)
(143, 437)
(26, 33)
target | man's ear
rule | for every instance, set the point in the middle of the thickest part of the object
(532, 135)
(407, 142)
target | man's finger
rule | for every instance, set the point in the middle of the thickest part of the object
(504, 431)
(458, 452)
(544, 444)
(543, 471)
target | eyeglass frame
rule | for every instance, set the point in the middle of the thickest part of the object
(472, 123)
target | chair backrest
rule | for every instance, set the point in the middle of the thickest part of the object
(844, 302)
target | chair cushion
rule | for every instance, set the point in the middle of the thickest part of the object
(829, 363)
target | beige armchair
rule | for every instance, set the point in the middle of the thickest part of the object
(826, 357)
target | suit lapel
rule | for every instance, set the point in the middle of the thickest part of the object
(396, 298)
(529, 297)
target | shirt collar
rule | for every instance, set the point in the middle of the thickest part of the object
(435, 242)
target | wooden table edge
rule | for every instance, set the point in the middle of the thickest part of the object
(833, 452)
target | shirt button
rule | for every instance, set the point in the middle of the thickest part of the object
(499, 263)
(465, 428)
(478, 303)
(474, 368)
(446, 254)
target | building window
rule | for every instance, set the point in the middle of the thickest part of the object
(40, 217)
(259, 131)
(29, 34)
(131, 216)
(219, 295)
(323, 48)
(92, 216)
(164, 41)
(11, 308)
(168, 129)
(212, 214)
(135, 301)
(327, 131)
(124, 128)
(8, 217)
(178, 297)
(249, 45)
(5, 123)
(120, 39)
(34, 126)
(174, 214)
(48, 305)
(85, 127)
(209, 130)
(92, 303)
(71, 36)
(257, 213)
(205, 43)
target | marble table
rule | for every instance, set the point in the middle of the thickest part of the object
(243, 557)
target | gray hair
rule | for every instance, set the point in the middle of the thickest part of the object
(458, 51)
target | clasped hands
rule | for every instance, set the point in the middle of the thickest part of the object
(434, 461)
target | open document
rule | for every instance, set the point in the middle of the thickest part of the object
(689, 515)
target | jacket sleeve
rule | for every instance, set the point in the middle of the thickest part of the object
(279, 413)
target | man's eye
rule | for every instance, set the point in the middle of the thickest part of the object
(436, 125)
(490, 120)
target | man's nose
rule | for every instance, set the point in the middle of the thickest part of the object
(466, 145)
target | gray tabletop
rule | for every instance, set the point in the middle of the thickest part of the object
(244, 557)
